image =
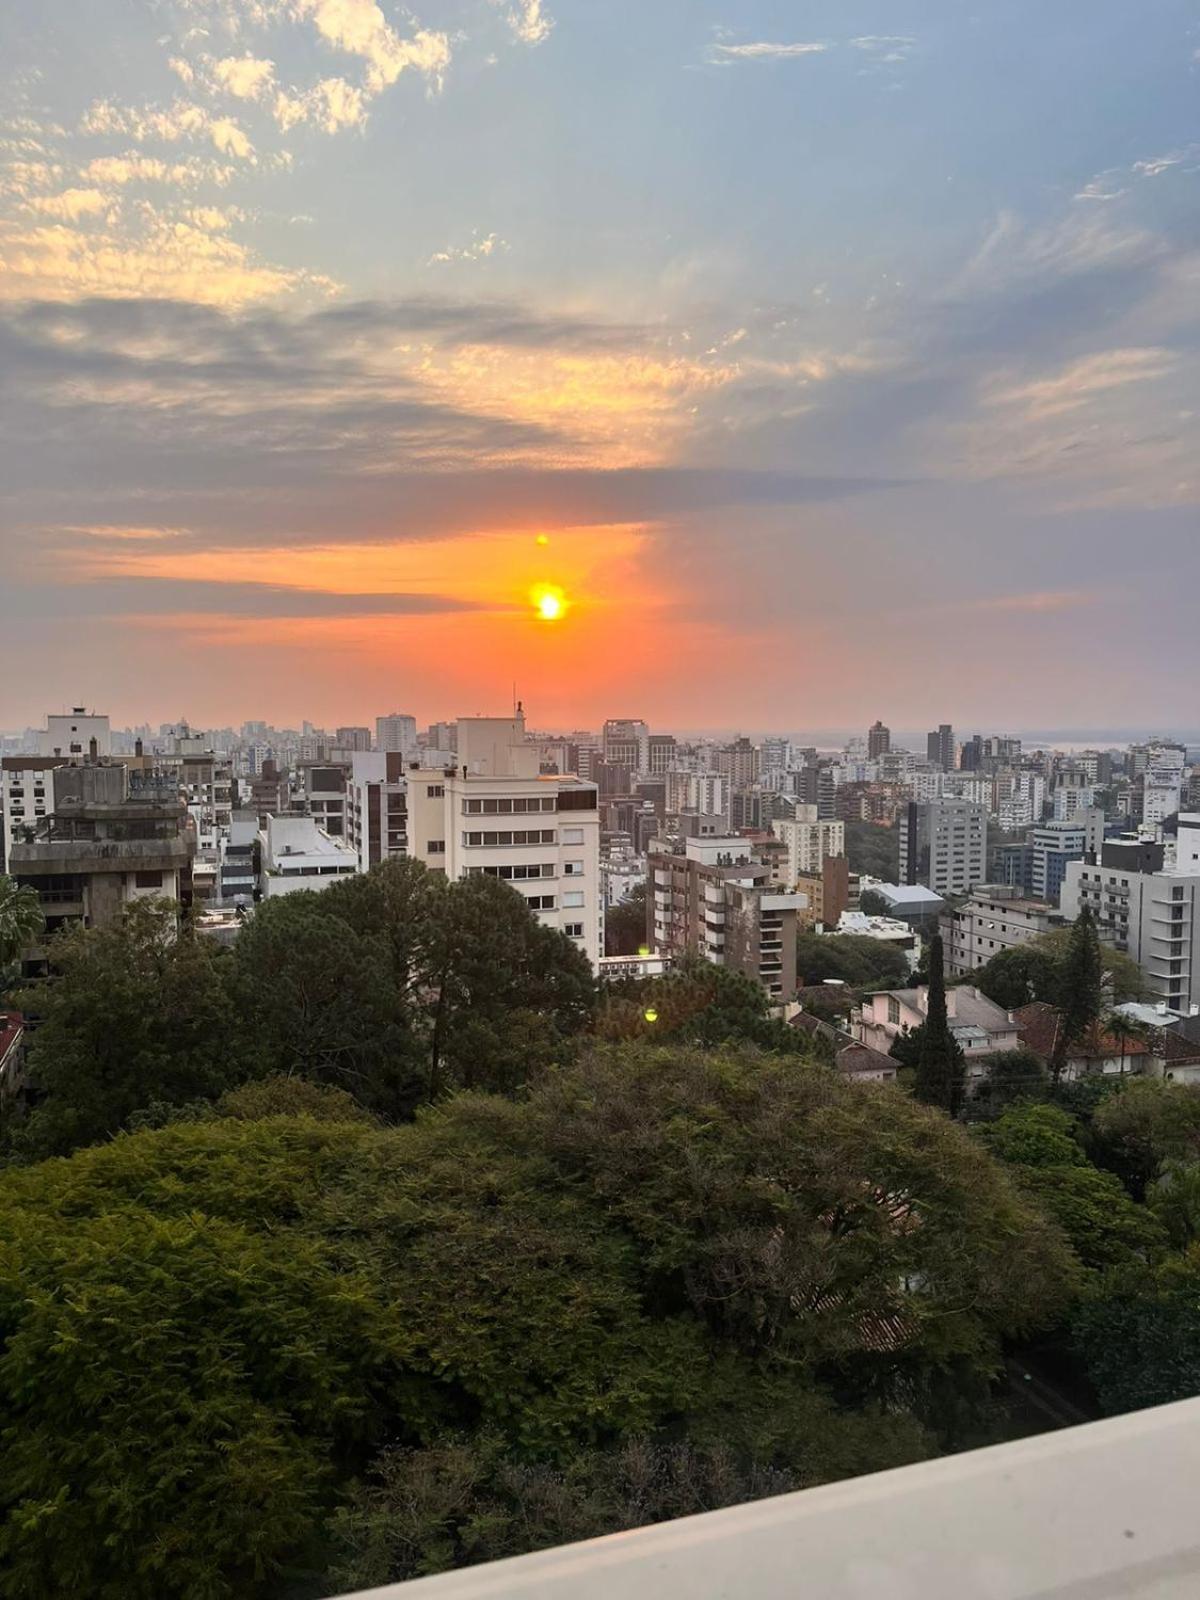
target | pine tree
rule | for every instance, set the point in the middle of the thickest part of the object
(940, 1067)
(1080, 989)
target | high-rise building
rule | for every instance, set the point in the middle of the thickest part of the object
(1162, 790)
(625, 742)
(879, 741)
(943, 845)
(352, 739)
(995, 918)
(495, 813)
(80, 733)
(396, 734)
(809, 839)
(939, 747)
(714, 897)
(377, 807)
(739, 763)
(1053, 846)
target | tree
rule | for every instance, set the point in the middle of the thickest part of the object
(1140, 1334)
(1015, 977)
(219, 1334)
(873, 850)
(21, 922)
(872, 904)
(625, 924)
(941, 1070)
(698, 1003)
(131, 1014)
(1124, 1029)
(851, 958)
(1012, 1076)
(1174, 1198)
(1105, 1227)
(1080, 989)
(1147, 1123)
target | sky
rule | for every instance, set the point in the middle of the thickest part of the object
(822, 359)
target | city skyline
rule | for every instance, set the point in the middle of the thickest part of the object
(700, 359)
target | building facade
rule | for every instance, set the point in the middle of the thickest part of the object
(943, 845)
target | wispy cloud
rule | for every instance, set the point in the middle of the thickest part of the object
(1040, 601)
(480, 248)
(721, 52)
(528, 20)
(1085, 380)
(359, 28)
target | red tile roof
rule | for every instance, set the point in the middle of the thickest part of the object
(1038, 1025)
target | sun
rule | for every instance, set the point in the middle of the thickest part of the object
(549, 601)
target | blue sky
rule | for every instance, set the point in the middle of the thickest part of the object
(835, 351)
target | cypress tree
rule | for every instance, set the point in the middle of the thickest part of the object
(1080, 988)
(940, 1067)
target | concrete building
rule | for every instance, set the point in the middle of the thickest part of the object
(1162, 790)
(295, 853)
(739, 763)
(396, 734)
(827, 892)
(111, 837)
(319, 791)
(376, 806)
(809, 840)
(26, 796)
(979, 1025)
(1149, 911)
(939, 747)
(714, 898)
(1053, 846)
(352, 739)
(206, 786)
(495, 813)
(79, 733)
(625, 742)
(995, 918)
(911, 903)
(237, 861)
(943, 845)
(879, 741)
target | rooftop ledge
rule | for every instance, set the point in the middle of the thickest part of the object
(1101, 1512)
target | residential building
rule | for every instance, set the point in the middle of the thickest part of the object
(237, 861)
(939, 747)
(376, 806)
(1187, 842)
(1149, 911)
(886, 930)
(1053, 846)
(206, 787)
(943, 845)
(827, 892)
(1098, 1052)
(855, 1060)
(776, 755)
(714, 898)
(809, 839)
(625, 742)
(739, 762)
(26, 796)
(79, 733)
(319, 791)
(1162, 789)
(995, 918)
(295, 853)
(879, 741)
(352, 739)
(112, 836)
(396, 734)
(661, 752)
(495, 813)
(979, 1025)
(704, 794)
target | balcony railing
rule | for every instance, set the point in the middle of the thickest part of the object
(1101, 1512)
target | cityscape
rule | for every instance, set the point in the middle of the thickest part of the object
(599, 800)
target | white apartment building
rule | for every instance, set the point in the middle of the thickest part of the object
(26, 796)
(1163, 789)
(376, 806)
(72, 734)
(1153, 916)
(994, 919)
(1072, 802)
(297, 854)
(943, 845)
(494, 813)
(809, 839)
(318, 790)
(704, 793)
(396, 734)
(1019, 800)
(1187, 846)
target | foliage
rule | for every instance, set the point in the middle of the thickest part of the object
(1140, 1335)
(1012, 1075)
(1104, 1225)
(1146, 1123)
(212, 1330)
(852, 958)
(625, 924)
(940, 1066)
(872, 904)
(873, 851)
(1081, 997)
(699, 1003)
(1174, 1198)
(21, 921)
(132, 1013)
(1036, 971)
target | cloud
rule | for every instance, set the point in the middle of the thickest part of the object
(762, 50)
(132, 596)
(71, 204)
(1084, 381)
(183, 119)
(1157, 165)
(245, 77)
(529, 23)
(135, 168)
(330, 105)
(360, 28)
(478, 250)
(1040, 602)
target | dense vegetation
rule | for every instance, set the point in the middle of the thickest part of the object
(873, 850)
(382, 1243)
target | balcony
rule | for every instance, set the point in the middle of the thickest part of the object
(1101, 1512)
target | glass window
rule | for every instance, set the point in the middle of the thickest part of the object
(573, 898)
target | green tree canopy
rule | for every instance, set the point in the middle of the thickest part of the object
(21, 922)
(1140, 1334)
(940, 1066)
(873, 850)
(212, 1330)
(1147, 1123)
(1038, 970)
(698, 1003)
(133, 1013)
(625, 924)
(861, 962)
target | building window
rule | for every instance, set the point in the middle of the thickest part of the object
(493, 841)
(540, 902)
(148, 880)
(893, 1009)
(573, 930)
(436, 847)
(572, 836)
(572, 869)
(508, 807)
(436, 791)
(573, 898)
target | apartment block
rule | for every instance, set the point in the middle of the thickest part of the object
(943, 845)
(809, 839)
(994, 919)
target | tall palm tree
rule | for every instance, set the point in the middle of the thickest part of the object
(21, 921)
(1123, 1029)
